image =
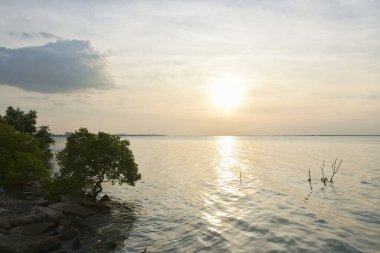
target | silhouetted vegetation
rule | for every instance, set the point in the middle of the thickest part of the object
(24, 150)
(87, 161)
(334, 169)
(90, 159)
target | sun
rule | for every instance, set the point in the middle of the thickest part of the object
(227, 93)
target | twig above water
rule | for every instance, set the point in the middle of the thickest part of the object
(335, 168)
(309, 180)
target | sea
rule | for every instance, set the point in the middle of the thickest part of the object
(248, 194)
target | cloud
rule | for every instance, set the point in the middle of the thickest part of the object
(62, 66)
(26, 35)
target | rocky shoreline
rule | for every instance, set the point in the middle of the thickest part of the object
(36, 225)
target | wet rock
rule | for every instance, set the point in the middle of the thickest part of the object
(61, 251)
(42, 202)
(69, 198)
(28, 244)
(59, 229)
(67, 234)
(100, 206)
(111, 244)
(94, 222)
(52, 214)
(76, 243)
(28, 219)
(4, 211)
(66, 221)
(72, 209)
(3, 231)
(105, 198)
(32, 229)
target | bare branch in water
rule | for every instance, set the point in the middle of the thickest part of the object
(309, 180)
(335, 168)
(323, 179)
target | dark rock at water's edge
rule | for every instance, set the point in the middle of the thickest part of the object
(60, 227)
(104, 198)
(76, 243)
(32, 229)
(28, 243)
(72, 209)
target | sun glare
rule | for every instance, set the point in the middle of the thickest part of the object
(227, 93)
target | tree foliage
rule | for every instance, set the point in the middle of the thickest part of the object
(21, 121)
(24, 151)
(21, 159)
(90, 159)
(25, 122)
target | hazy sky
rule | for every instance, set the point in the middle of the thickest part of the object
(307, 67)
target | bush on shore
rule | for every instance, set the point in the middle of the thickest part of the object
(89, 159)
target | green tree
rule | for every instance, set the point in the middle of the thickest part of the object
(21, 159)
(26, 123)
(45, 140)
(90, 159)
(21, 121)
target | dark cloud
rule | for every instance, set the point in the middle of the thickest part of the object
(26, 35)
(62, 66)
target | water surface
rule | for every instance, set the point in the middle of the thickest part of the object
(191, 197)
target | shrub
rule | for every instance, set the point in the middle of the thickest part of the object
(90, 159)
(21, 159)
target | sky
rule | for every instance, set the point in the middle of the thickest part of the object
(151, 67)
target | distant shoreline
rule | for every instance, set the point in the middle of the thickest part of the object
(66, 135)
(264, 135)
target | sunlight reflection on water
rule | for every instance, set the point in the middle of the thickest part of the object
(191, 199)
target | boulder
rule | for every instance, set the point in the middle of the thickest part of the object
(101, 206)
(67, 234)
(72, 209)
(28, 219)
(95, 222)
(28, 244)
(70, 198)
(105, 198)
(42, 202)
(67, 220)
(32, 229)
(76, 243)
(4, 211)
(52, 214)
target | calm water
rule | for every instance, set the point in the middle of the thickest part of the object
(191, 199)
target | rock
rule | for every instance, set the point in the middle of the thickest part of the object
(101, 206)
(76, 243)
(105, 198)
(4, 211)
(42, 202)
(52, 214)
(66, 221)
(94, 222)
(61, 251)
(68, 234)
(3, 231)
(69, 198)
(32, 229)
(59, 229)
(72, 209)
(28, 244)
(28, 219)
(111, 244)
